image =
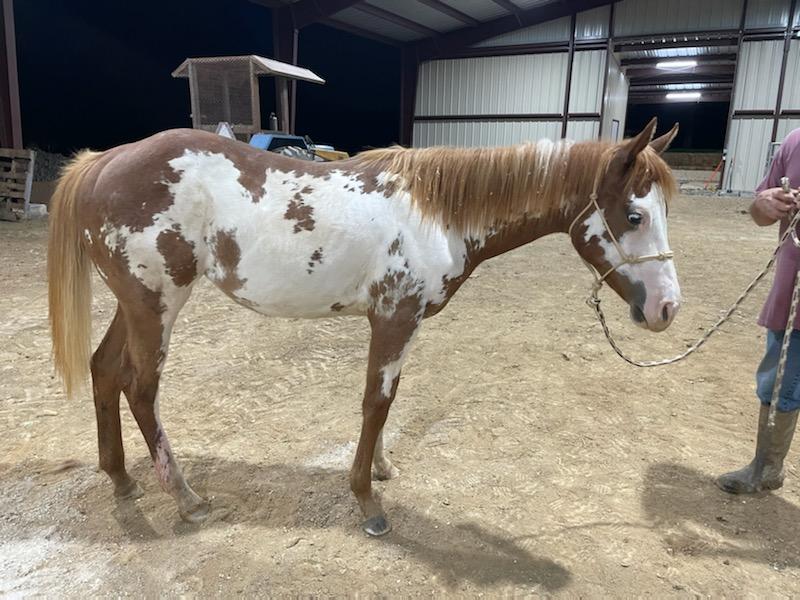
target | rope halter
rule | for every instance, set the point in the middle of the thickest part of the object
(625, 258)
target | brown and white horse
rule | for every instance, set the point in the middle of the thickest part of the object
(390, 234)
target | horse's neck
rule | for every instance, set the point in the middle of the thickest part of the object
(513, 235)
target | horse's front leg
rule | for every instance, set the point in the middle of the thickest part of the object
(392, 334)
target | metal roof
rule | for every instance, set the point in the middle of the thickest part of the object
(261, 66)
(408, 21)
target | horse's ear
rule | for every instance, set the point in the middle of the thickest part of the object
(631, 148)
(660, 144)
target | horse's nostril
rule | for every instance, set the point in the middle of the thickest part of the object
(665, 312)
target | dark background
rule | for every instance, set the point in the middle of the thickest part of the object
(97, 74)
(702, 124)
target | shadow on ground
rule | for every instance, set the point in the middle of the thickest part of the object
(696, 518)
(275, 497)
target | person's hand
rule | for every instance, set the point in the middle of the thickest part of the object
(773, 205)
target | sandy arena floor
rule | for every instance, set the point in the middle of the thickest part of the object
(534, 462)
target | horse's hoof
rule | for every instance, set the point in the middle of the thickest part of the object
(196, 514)
(376, 526)
(384, 474)
(129, 491)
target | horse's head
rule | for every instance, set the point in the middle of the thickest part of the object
(622, 232)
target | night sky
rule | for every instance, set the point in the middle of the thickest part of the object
(97, 74)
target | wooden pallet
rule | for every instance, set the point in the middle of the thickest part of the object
(16, 180)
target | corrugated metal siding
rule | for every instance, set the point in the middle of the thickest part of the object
(376, 25)
(492, 85)
(482, 133)
(580, 131)
(758, 75)
(551, 31)
(785, 127)
(616, 100)
(791, 85)
(641, 17)
(419, 12)
(592, 24)
(766, 13)
(747, 149)
(586, 89)
(479, 9)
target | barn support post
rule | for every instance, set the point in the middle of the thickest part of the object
(609, 51)
(725, 151)
(787, 40)
(285, 36)
(10, 114)
(570, 62)
(409, 70)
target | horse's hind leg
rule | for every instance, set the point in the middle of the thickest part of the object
(108, 377)
(148, 339)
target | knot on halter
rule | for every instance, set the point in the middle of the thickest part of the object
(593, 196)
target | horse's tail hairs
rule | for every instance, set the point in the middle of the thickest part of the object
(69, 277)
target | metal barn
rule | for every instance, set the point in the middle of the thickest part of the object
(483, 72)
(490, 72)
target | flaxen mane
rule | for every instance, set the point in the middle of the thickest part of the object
(472, 189)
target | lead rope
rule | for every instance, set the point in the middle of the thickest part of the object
(594, 302)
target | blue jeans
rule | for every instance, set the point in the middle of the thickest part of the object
(789, 398)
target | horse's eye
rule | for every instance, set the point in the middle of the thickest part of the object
(635, 218)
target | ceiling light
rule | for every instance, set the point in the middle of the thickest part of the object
(676, 64)
(683, 96)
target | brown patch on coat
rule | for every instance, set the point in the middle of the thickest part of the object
(337, 307)
(228, 254)
(368, 176)
(394, 247)
(178, 253)
(253, 179)
(316, 259)
(301, 213)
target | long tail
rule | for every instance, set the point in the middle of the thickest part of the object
(69, 277)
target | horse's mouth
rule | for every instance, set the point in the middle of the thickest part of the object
(637, 315)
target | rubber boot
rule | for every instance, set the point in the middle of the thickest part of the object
(774, 446)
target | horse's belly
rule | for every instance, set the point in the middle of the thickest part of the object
(307, 276)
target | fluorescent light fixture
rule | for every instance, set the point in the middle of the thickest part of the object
(676, 64)
(683, 96)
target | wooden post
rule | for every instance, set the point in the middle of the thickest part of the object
(194, 95)
(284, 42)
(282, 89)
(10, 115)
(255, 102)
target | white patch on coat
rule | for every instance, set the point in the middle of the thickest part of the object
(658, 276)
(391, 371)
(353, 228)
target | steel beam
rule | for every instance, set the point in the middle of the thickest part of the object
(446, 44)
(409, 71)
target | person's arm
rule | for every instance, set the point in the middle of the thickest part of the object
(772, 205)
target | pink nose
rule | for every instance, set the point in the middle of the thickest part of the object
(668, 310)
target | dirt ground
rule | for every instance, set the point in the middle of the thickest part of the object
(533, 461)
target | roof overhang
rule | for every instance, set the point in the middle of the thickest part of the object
(261, 67)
